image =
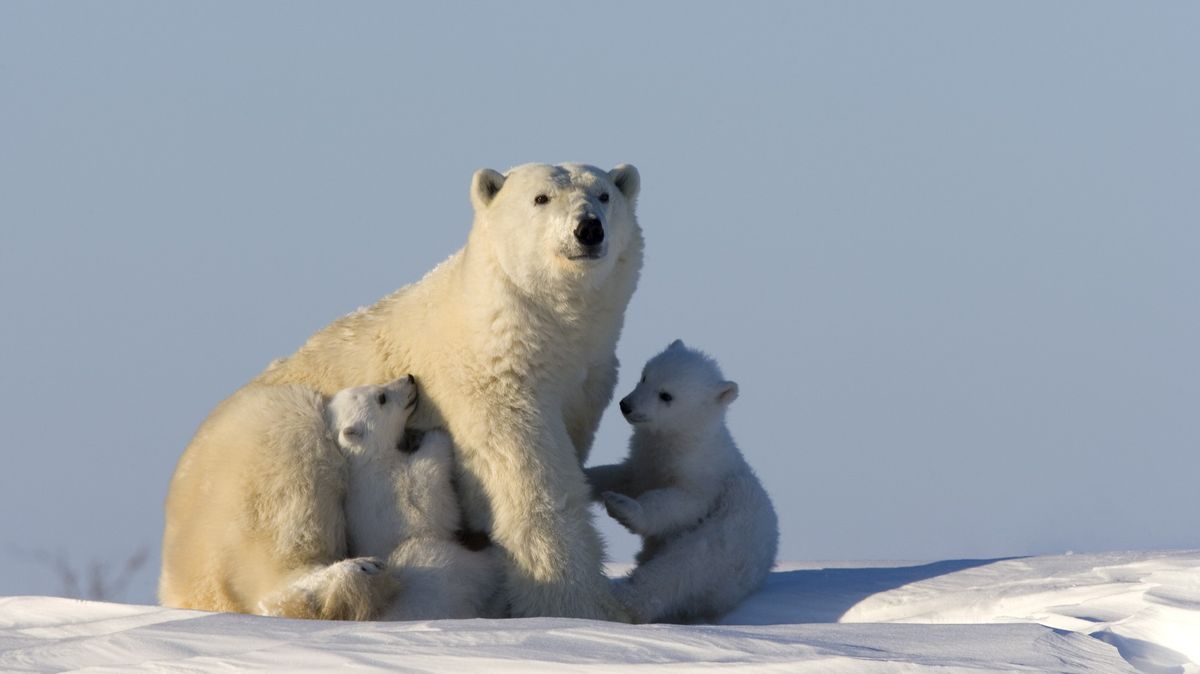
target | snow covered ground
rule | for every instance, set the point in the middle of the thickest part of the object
(1117, 612)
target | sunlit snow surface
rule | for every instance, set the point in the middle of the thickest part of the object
(1118, 612)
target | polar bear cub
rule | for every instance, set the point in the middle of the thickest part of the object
(709, 530)
(369, 424)
(401, 506)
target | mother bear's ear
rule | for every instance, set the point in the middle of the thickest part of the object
(627, 179)
(484, 187)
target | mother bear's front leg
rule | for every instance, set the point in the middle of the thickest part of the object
(586, 404)
(538, 500)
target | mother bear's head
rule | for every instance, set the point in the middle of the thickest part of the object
(552, 227)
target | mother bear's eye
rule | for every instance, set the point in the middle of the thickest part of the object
(381, 399)
(541, 200)
(665, 397)
(604, 197)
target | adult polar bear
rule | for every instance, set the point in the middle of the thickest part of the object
(512, 340)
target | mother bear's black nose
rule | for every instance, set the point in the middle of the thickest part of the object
(589, 232)
(624, 405)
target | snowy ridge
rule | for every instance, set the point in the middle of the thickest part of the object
(1118, 612)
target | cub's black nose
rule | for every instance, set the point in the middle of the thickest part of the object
(625, 407)
(589, 232)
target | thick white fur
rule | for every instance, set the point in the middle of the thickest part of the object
(401, 506)
(513, 342)
(439, 578)
(710, 532)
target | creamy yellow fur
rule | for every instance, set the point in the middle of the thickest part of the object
(512, 340)
(250, 514)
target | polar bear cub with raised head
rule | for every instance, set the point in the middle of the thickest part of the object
(369, 424)
(401, 506)
(709, 530)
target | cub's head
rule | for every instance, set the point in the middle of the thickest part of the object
(553, 224)
(371, 419)
(680, 389)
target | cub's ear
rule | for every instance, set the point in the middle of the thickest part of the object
(351, 435)
(484, 186)
(727, 392)
(677, 344)
(627, 179)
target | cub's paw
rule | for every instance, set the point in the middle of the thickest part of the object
(624, 509)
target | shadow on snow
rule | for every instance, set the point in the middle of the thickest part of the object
(825, 595)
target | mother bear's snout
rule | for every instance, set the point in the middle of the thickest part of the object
(589, 232)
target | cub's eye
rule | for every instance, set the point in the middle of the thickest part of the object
(381, 399)
(665, 397)
(604, 197)
(541, 200)
(643, 379)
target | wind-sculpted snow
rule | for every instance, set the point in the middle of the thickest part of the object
(1122, 612)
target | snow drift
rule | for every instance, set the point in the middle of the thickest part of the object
(1118, 612)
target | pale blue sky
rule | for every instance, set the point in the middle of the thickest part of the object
(948, 250)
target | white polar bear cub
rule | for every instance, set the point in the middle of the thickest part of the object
(710, 532)
(401, 506)
(386, 501)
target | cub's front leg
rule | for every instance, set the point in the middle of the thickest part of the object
(657, 511)
(587, 404)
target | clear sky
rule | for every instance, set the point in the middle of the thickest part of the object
(948, 250)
